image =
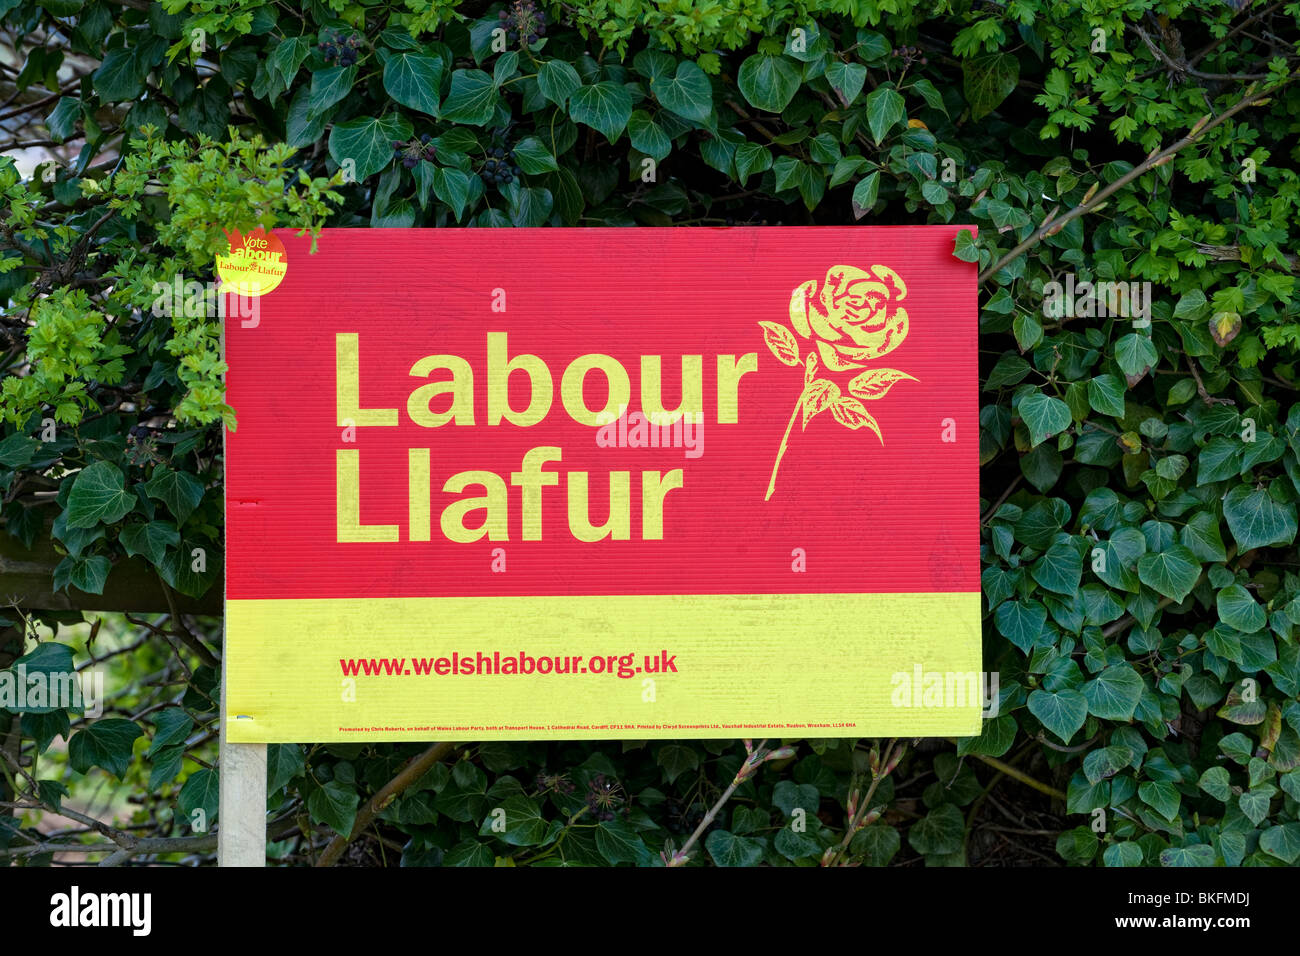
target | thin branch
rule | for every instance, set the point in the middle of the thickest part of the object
(190, 641)
(1151, 162)
(1020, 775)
(409, 775)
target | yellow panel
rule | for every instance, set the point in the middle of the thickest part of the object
(748, 665)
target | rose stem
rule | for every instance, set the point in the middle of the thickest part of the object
(785, 440)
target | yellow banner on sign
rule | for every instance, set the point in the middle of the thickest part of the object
(644, 667)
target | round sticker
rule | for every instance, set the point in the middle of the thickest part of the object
(256, 263)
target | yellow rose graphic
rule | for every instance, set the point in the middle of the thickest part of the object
(854, 318)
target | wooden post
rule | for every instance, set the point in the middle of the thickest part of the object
(241, 821)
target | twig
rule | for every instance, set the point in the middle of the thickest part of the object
(754, 759)
(410, 774)
(863, 814)
(190, 641)
(998, 504)
(1020, 775)
(1200, 386)
(1155, 159)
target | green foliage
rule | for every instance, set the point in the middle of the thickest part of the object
(1140, 462)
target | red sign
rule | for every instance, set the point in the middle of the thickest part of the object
(593, 413)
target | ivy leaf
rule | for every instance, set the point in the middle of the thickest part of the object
(529, 206)
(1104, 763)
(171, 726)
(1162, 797)
(98, 494)
(933, 98)
(52, 661)
(367, 142)
(727, 849)
(994, 739)
(328, 86)
(768, 82)
(89, 573)
(1059, 569)
(965, 248)
(939, 832)
(200, 792)
(180, 491)
(1106, 395)
(1239, 610)
(106, 743)
(62, 121)
(751, 158)
(412, 80)
(1216, 783)
(885, 108)
(1254, 803)
(1119, 557)
(1201, 536)
(471, 99)
(301, 126)
(287, 56)
(17, 450)
(334, 805)
(1023, 623)
(1114, 693)
(1224, 327)
(558, 80)
(617, 842)
(284, 762)
(1193, 854)
(688, 93)
(469, 853)
(533, 157)
(789, 796)
(1123, 854)
(180, 567)
(1063, 713)
(120, 76)
(1172, 572)
(676, 759)
(647, 135)
(988, 80)
(452, 186)
(846, 79)
(524, 823)
(605, 107)
(796, 846)
(1282, 840)
(149, 540)
(1135, 354)
(1256, 520)
(864, 194)
(1044, 416)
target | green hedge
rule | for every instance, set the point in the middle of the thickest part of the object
(1140, 469)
